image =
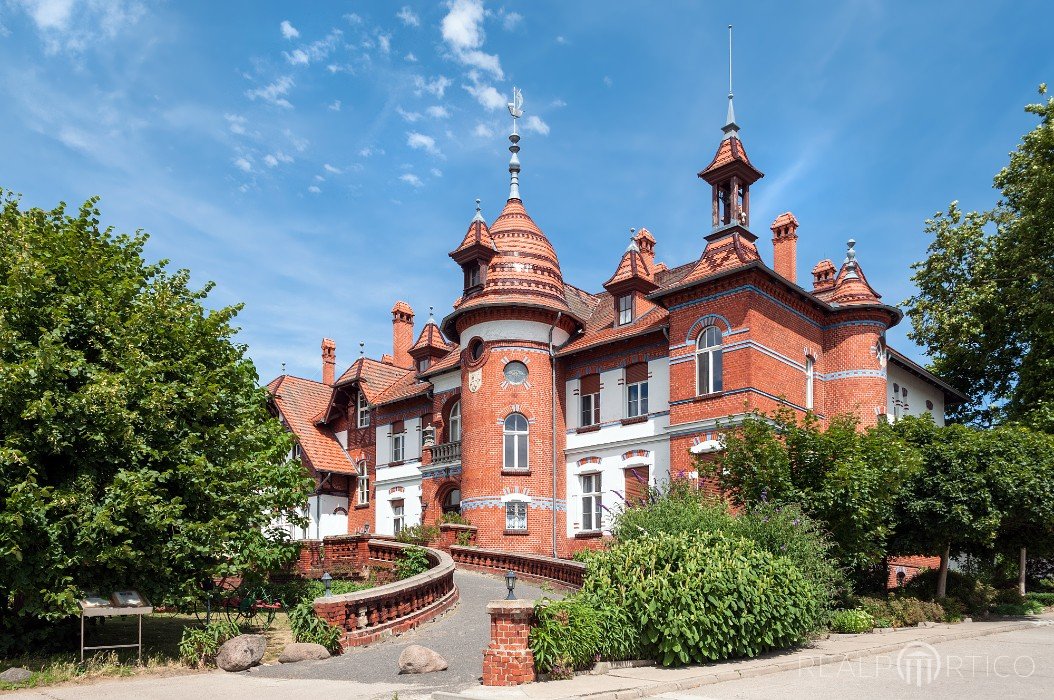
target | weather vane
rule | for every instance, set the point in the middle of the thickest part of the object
(516, 107)
(516, 110)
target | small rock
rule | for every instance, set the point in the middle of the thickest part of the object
(241, 652)
(20, 675)
(302, 651)
(967, 619)
(419, 659)
(927, 624)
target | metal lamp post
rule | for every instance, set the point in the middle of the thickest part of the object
(510, 583)
(327, 581)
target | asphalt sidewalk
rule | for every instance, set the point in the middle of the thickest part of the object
(648, 681)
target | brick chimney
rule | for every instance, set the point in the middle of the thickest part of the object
(402, 334)
(329, 360)
(785, 246)
(646, 245)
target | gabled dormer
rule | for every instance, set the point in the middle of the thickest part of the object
(475, 253)
(430, 346)
(633, 279)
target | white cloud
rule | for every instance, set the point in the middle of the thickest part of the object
(411, 179)
(436, 172)
(482, 131)
(422, 142)
(558, 103)
(331, 169)
(313, 189)
(462, 30)
(561, 40)
(436, 86)
(236, 123)
(298, 143)
(408, 116)
(409, 18)
(410, 58)
(534, 123)
(75, 25)
(486, 95)
(288, 30)
(274, 92)
(438, 112)
(243, 164)
(315, 51)
(608, 81)
(384, 41)
(510, 20)
(273, 159)
(353, 18)
(334, 106)
(368, 151)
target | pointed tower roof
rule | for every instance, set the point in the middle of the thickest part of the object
(634, 272)
(477, 241)
(430, 343)
(850, 286)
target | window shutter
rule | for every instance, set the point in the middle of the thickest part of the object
(398, 427)
(637, 373)
(636, 485)
(590, 384)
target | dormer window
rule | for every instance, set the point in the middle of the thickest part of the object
(473, 275)
(625, 309)
(363, 409)
(422, 364)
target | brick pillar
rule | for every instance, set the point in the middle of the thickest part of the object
(329, 360)
(508, 660)
(785, 246)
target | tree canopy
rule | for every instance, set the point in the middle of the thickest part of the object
(986, 290)
(136, 449)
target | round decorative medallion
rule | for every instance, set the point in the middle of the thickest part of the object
(515, 372)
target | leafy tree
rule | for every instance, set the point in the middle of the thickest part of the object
(135, 446)
(986, 289)
(846, 478)
(949, 503)
(1021, 472)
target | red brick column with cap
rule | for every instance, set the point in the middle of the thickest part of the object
(509, 660)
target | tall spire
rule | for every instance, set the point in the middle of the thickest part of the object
(516, 110)
(730, 128)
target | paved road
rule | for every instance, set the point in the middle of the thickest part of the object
(460, 636)
(1005, 666)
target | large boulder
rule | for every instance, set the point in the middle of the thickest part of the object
(419, 659)
(241, 652)
(302, 651)
(16, 675)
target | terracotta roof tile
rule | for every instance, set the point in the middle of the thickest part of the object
(299, 401)
(373, 376)
(405, 388)
(450, 361)
(430, 342)
(633, 271)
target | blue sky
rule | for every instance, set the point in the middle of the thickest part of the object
(317, 161)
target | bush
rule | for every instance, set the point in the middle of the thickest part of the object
(851, 621)
(566, 636)
(974, 595)
(676, 508)
(699, 597)
(464, 539)
(455, 518)
(199, 645)
(902, 611)
(418, 534)
(1045, 599)
(309, 627)
(1027, 607)
(411, 561)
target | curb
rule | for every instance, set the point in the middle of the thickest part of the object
(718, 676)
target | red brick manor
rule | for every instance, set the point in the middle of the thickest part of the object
(535, 408)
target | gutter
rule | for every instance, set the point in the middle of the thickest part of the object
(552, 395)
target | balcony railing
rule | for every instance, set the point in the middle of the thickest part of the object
(446, 452)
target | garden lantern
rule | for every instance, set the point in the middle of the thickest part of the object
(327, 581)
(510, 583)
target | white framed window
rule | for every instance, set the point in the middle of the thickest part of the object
(516, 515)
(592, 501)
(422, 364)
(363, 485)
(810, 374)
(398, 441)
(637, 390)
(363, 408)
(589, 391)
(708, 361)
(454, 430)
(625, 309)
(515, 434)
(298, 451)
(398, 516)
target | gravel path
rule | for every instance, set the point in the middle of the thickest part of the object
(459, 636)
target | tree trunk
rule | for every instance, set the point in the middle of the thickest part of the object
(1021, 572)
(942, 574)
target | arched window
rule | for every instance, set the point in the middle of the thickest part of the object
(708, 361)
(454, 429)
(810, 373)
(515, 442)
(452, 501)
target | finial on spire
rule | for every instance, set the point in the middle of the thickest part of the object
(283, 368)
(431, 315)
(850, 258)
(362, 349)
(479, 213)
(730, 128)
(516, 110)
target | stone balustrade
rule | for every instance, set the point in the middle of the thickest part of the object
(377, 613)
(446, 452)
(561, 573)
